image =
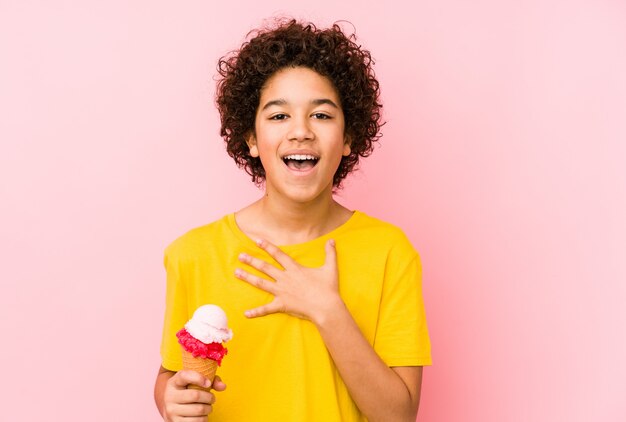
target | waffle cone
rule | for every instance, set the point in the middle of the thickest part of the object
(206, 367)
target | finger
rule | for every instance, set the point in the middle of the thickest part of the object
(271, 308)
(331, 254)
(274, 251)
(260, 265)
(194, 409)
(192, 395)
(256, 281)
(193, 419)
(185, 377)
(218, 384)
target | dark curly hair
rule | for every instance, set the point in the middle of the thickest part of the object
(329, 52)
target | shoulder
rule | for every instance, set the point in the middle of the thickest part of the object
(198, 240)
(382, 232)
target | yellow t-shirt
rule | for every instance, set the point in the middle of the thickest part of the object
(277, 367)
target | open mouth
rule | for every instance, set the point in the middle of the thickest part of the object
(300, 161)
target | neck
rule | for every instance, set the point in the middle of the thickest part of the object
(298, 221)
(285, 222)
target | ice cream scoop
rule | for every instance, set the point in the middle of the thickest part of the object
(209, 325)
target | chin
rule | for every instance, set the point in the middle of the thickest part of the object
(308, 194)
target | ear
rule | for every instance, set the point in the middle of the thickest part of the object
(251, 141)
(347, 140)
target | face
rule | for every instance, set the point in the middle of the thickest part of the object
(299, 134)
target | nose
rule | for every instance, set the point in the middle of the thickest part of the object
(300, 129)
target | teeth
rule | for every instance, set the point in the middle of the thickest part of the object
(299, 157)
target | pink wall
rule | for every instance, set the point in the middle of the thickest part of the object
(504, 159)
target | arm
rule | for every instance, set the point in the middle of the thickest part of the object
(176, 402)
(380, 392)
(159, 388)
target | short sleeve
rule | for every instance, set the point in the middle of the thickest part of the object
(175, 310)
(402, 333)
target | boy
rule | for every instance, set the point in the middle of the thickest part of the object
(329, 326)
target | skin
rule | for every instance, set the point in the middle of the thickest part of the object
(296, 210)
(300, 110)
(177, 402)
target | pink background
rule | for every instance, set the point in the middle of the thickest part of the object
(503, 158)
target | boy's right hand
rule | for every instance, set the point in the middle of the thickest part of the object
(187, 404)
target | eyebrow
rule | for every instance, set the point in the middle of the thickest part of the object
(282, 101)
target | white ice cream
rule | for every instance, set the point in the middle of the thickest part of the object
(209, 325)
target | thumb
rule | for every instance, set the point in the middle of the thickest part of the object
(218, 384)
(185, 377)
(331, 255)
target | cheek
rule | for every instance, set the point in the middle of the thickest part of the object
(266, 151)
(267, 155)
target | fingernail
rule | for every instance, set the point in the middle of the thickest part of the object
(238, 272)
(242, 256)
(207, 383)
(332, 242)
(259, 242)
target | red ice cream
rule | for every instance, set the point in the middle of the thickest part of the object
(198, 349)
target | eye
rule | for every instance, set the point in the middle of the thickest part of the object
(321, 116)
(279, 116)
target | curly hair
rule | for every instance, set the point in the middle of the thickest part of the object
(330, 53)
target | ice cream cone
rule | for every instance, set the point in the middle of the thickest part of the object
(206, 367)
(201, 341)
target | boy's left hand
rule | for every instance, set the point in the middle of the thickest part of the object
(304, 292)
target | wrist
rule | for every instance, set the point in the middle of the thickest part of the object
(330, 312)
